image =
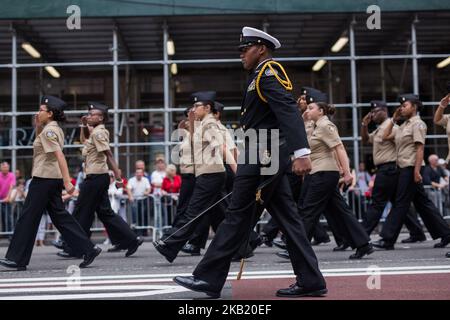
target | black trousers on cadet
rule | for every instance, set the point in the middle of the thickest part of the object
(215, 217)
(204, 195)
(45, 194)
(215, 264)
(186, 191)
(384, 190)
(409, 191)
(93, 198)
(323, 195)
(297, 184)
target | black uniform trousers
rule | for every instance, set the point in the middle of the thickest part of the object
(204, 195)
(331, 220)
(93, 198)
(323, 195)
(186, 191)
(215, 264)
(407, 191)
(384, 190)
(217, 214)
(45, 194)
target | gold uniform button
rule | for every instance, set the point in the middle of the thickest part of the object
(242, 113)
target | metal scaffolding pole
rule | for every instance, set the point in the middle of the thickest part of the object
(115, 50)
(415, 67)
(14, 101)
(354, 98)
(166, 90)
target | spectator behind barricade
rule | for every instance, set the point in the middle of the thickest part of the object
(140, 164)
(170, 188)
(16, 199)
(18, 175)
(158, 175)
(434, 180)
(138, 189)
(7, 183)
(115, 194)
(363, 178)
(171, 182)
(443, 167)
(433, 173)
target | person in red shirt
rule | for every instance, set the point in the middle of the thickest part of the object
(172, 181)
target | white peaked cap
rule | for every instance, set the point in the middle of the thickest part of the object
(253, 32)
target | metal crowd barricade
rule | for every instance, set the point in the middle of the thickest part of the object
(9, 213)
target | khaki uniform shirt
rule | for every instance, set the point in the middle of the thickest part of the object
(208, 142)
(411, 131)
(185, 156)
(445, 123)
(322, 140)
(45, 164)
(383, 151)
(94, 147)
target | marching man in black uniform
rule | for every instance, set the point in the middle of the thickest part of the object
(410, 143)
(384, 158)
(93, 197)
(267, 104)
(50, 175)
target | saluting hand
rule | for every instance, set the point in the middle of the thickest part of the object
(397, 114)
(367, 119)
(84, 120)
(301, 166)
(445, 101)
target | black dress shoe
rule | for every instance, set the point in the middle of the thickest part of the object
(317, 242)
(413, 239)
(12, 265)
(444, 242)
(296, 291)
(191, 249)
(447, 255)
(284, 254)
(161, 247)
(115, 248)
(134, 246)
(197, 285)
(90, 257)
(67, 255)
(58, 244)
(266, 241)
(279, 243)
(342, 247)
(362, 251)
(381, 244)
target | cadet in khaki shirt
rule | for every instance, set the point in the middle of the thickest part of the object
(93, 197)
(322, 194)
(443, 120)
(215, 217)
(186, 162)
(410, 141)
(385, 185)
(50, 174)
(210, 152)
